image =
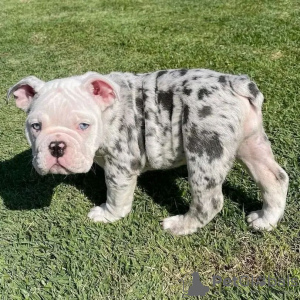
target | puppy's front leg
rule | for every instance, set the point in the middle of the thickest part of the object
(120, 190)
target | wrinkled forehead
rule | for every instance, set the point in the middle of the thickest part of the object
(69, 82)
(62, 95)
(60, 87)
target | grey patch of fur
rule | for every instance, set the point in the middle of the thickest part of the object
(203, 92)
(222, 79)
(166, 100)
(161, 73)
(205, 142)
(216, 203)
(186, 111)
(211, 183)
(282, 176)
(135, 164)
(187, 91)
(253, 89)
(231, 128)
(205, 111)
(183, 72)
(118, 146)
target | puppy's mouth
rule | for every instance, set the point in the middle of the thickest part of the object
(58, 168)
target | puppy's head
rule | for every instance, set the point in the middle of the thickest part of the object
(64, 119)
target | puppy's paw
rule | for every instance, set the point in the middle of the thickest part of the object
(101, 214)
(259, 220)
(179, 225)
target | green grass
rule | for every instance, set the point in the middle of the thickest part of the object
(48, 248)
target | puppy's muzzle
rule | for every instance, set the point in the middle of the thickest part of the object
(57, 149)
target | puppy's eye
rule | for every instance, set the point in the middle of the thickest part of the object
(36, 126)
(84, 126)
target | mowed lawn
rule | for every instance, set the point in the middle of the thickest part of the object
(48, 247)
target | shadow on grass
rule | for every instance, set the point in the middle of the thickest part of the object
(20, 187)
(245, 201)
(162, 188)
(23, 188)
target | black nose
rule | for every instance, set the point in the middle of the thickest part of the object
(57, 149)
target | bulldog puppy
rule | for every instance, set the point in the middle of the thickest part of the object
(130, 123)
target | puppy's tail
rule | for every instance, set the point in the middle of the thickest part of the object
(244, 87)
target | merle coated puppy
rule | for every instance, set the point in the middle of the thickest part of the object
(131, 123)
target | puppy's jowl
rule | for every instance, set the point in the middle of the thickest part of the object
(130, 123)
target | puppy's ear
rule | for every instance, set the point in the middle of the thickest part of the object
(104, 90)
(24, 91)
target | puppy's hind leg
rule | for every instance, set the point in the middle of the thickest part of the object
(207, 197)
(255, 152)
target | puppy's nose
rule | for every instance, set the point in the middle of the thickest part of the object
(57, 149)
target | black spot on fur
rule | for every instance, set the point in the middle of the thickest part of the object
(182, 72)
(110, 178)
(202, 93)
(282, 176)
(136, 121)
(216, 203)
(157, 119)
(166, 130)
(253, 89)
(193, 144)
(124, 169)
(121, 127)
(118, 146)
(146, 115)
(199, 207)
(161, 73)
(204, 112)
(187, 91)
(222, 79)
(203, 216)
(201, 169)
(149, 134)
(204, 142)
(244, 77)
(129, 131)
(231, 128)
(166, 101)
(135, 164)
(196, 77)
(109, 160)
(186, 111)
(211, 183)
(140, 105)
